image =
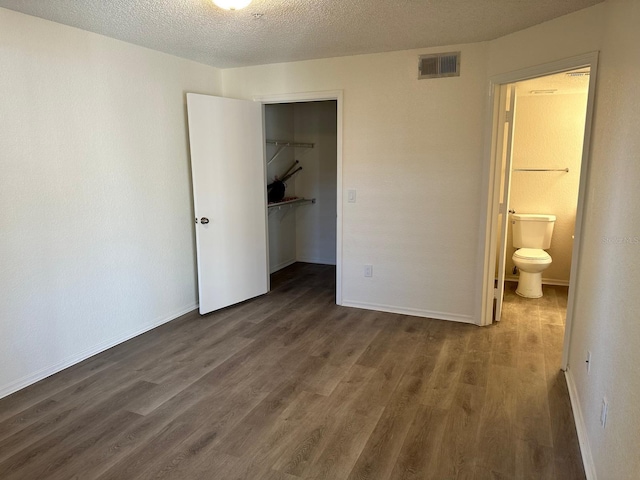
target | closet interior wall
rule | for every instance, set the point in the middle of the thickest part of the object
(305, 233)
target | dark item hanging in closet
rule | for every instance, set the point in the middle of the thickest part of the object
(276, 190)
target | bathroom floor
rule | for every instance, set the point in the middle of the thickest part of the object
(552, 305)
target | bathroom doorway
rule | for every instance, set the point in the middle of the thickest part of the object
(542, 120)
(549, 121)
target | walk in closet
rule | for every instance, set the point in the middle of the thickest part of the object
(301, 152)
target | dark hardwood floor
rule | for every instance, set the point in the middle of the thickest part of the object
(290, 386)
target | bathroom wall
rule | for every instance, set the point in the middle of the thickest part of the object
(549, 132)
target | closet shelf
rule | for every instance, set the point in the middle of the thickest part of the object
(291, 203)
(281, 144)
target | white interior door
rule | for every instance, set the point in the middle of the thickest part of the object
(229, 196)
(505, 186)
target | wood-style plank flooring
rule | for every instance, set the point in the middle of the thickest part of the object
(290, 386)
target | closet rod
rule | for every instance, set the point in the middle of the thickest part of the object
(290, 203)
(280, 143)
(541, 170)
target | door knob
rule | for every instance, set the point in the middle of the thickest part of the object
(204, 220)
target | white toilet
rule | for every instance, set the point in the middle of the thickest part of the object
(531, 235)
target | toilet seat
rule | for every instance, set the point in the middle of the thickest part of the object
(532, 254)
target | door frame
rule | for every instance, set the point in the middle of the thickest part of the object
(489, 240)
(336, 95)
(508, 113)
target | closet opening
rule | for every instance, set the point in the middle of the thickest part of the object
(301, 155)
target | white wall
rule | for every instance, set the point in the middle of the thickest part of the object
(413, 151)
(549, 131)
(96, 221)
(563, 37)
(279, 125)
(607, 318)
(316, 122)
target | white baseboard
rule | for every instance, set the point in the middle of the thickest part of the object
(89, 352)
(315, 260)
(555, 281)
(545, 281)
(452, 317)
(581, 428)
(280, 266)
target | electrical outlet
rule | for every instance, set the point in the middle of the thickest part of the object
(604, 411)
(368, 270)
(588, 362)
(351, 196)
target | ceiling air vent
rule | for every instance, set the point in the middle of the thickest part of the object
(439, 65)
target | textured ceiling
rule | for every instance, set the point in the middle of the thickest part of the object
(292, 30)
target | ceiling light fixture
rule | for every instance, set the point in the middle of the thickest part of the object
(232, 4)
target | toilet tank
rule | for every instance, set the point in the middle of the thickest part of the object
(532, 230)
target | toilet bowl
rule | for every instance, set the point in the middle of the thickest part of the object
(531, 262)
(532, 233)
